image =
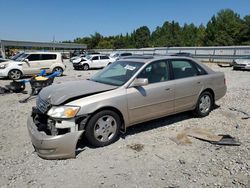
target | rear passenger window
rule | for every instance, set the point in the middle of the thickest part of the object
(183, 69)
(104, 57)
(95, 58)
(126, 54)
(33, 57)
(200, 70)
(48, 56)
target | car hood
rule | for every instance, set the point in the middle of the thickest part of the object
(58, 94)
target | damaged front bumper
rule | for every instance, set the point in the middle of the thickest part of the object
(53, 147)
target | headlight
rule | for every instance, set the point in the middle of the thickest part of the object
(63, 111)
(3, 66)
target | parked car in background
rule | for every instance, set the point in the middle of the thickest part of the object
(92, 61)
(127, 92)
(242, 63)
(183, 54)
(79, 57)
(32, 63)
(118, 55)
(76, 57)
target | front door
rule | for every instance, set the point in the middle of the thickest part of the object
(32, 66)
(95, 62)
(155, 99)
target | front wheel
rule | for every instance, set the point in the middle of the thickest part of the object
(85, 67)
(204, 104)
(103, 128)
(15, 74)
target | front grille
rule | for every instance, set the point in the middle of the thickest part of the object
(42, 105)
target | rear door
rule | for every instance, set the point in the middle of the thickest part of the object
(155, 99)
(47, 60)
(188, 83)
(104, 60)
(32, 66)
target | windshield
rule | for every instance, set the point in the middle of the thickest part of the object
(118, 73)
(21, 57)
(113, 55)
(88, 56)
(16, 56)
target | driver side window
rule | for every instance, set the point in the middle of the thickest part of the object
(95, 58)
(156, 72)
(33, 57)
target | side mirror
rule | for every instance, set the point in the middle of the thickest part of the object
(139, 82)
(26, 60)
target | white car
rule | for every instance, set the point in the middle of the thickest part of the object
(118, 55)
(30, 63)
(242, 63)
(77, 57)
(92, 61)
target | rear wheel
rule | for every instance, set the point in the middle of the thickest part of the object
(15, 74)
(58, 69)
(103, 128)
(85, 67)
(204, 104)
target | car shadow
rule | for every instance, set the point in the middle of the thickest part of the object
(138, 128)
(157, 123)
(144, 127)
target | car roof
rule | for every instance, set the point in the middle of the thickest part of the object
(150, 58)
(42, 52)
(146, 59)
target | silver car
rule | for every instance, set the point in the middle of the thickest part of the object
(125, 93)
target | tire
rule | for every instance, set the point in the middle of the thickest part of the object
(58, 69)
(15, 74)
(85, 67)
(204, 104)
(103, 128)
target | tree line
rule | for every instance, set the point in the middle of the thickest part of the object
(226, 28)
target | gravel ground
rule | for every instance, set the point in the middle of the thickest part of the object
(144, 157)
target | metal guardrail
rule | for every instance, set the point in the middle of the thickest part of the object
(212, 54)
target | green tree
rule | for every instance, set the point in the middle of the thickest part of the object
(245, 33)
(224, 29)
(105, 44)
(188, 35)
(200, 36)
(142, 37)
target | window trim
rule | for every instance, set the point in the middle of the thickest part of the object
(192, 63)
(169, 70)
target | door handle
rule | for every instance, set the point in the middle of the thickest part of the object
(198, 82)
(167, 89)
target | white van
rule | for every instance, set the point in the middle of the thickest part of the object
(32, 63)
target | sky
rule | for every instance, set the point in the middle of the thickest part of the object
(45, 20)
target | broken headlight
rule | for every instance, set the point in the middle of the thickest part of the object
(63, 111)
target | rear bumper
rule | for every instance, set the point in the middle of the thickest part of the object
(53, 147)
(221, 92)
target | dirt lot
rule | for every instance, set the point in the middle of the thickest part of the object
(144, 157)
